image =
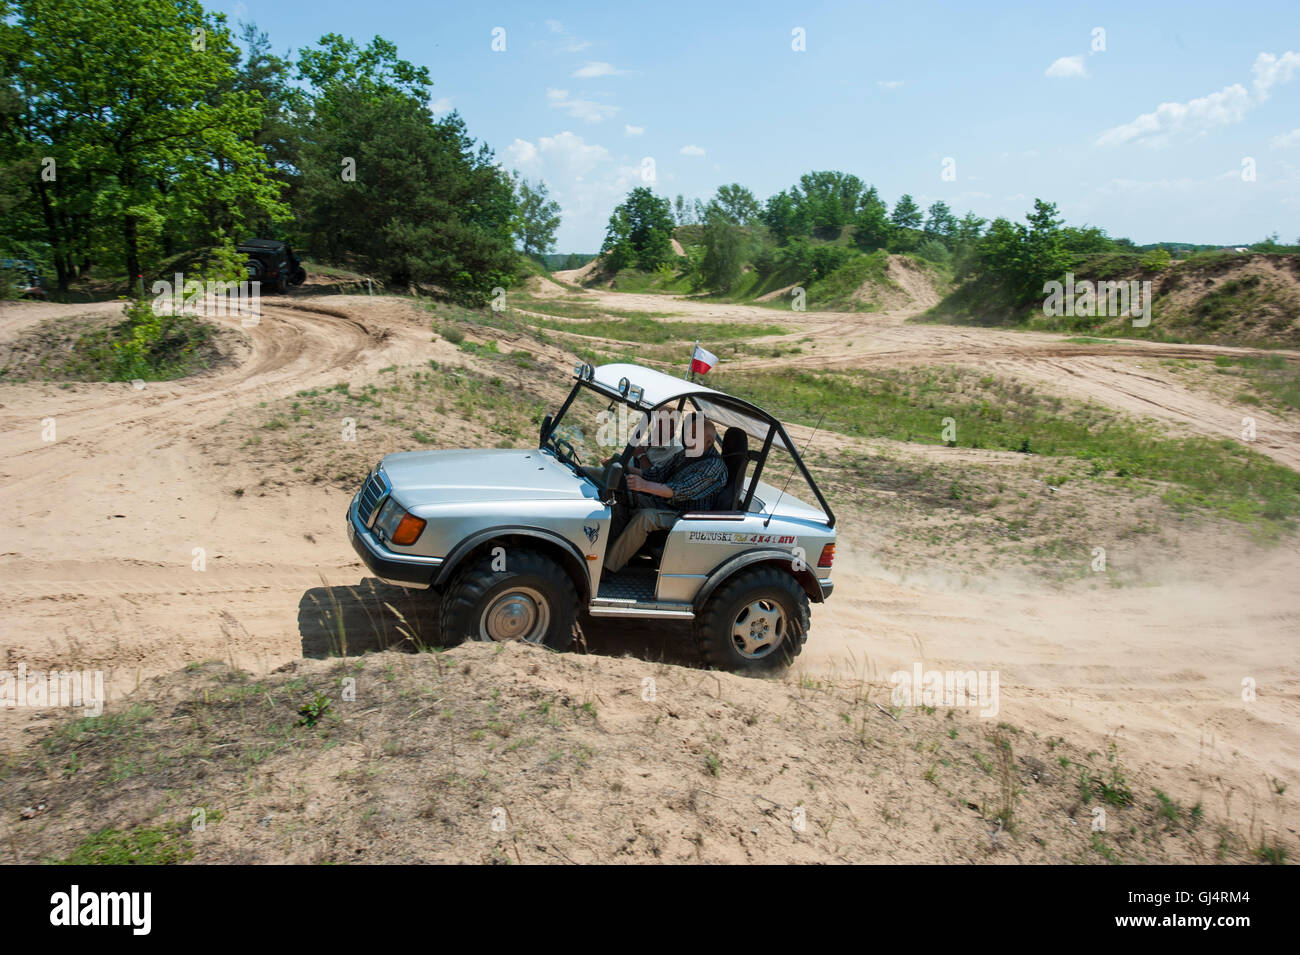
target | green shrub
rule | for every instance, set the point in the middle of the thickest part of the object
(145, 345)
(1156, 260)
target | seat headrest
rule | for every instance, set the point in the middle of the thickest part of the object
(735, 441)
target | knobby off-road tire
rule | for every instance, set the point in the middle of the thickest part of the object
(762, 604)
(532, 600)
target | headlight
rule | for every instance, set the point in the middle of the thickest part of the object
(397, 525)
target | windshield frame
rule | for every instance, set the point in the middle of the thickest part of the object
(774, 433)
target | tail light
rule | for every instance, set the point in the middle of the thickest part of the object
(828, 556)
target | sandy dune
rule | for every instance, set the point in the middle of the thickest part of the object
(101, 527)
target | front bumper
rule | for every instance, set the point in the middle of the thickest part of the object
(827, 586)
(402, 570)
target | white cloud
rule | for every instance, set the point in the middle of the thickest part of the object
(589, 110)
(1270, 70)
(633, 130)
(1197, 116)
(1067, 67)
(585, 178)
(1286, 140)
(521, 153)
(692, 151)
(571, 153)
(565, 41)
(440, 105)
(889, 84)
(594, 68)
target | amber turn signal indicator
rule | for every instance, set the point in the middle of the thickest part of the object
(827, 557)
(408, 531)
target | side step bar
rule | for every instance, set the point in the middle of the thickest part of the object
(626, 607)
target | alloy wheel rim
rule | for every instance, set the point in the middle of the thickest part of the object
(758, 629)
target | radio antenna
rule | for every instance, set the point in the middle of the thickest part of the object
(807, 444)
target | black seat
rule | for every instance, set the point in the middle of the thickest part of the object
(735, 454)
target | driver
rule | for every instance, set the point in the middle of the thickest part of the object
(688, 481)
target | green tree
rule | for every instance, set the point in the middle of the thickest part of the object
(1019, 258)
(999, 254)
(134, 102)
(940, 223)
(1085, 240)
(965, 241)
(969, 228)
(682, 211)
(269, 77)
(537, 216)
(386, 186)
(1045, 256)
(723, 260)
(874, 230)
(906, 214)
(640, 232)
(737, 203)
(784, 217)
(829, 199)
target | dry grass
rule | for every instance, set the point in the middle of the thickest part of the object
(511, 754)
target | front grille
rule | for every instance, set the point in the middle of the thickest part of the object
(373, 494)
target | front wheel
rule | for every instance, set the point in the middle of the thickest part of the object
(756, 622)
(513, 595)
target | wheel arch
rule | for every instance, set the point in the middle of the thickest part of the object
(781, 559)
(540, 539)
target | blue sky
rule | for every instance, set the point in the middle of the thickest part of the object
(1147, 138)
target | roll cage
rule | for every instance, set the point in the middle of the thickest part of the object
(646, 391)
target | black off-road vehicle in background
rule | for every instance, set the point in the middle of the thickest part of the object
(272, 263)
(22, 277)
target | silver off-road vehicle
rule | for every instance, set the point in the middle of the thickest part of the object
(515, 540)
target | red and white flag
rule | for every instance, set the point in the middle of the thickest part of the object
(702, 361)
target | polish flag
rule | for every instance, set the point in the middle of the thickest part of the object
(702, 361)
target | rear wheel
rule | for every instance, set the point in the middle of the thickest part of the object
(532, 600)
(756, 622)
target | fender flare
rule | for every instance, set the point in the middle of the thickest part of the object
(575, 562)
(768, 555)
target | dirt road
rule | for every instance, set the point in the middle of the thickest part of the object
(124, 551)
(1122, 374)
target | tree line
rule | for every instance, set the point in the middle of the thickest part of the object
(802, 230)
(132, 131)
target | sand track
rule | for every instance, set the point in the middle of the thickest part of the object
(1124, 374)
(101, 527)
(103, 522)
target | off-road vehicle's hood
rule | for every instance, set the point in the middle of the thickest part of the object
(447, 477)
